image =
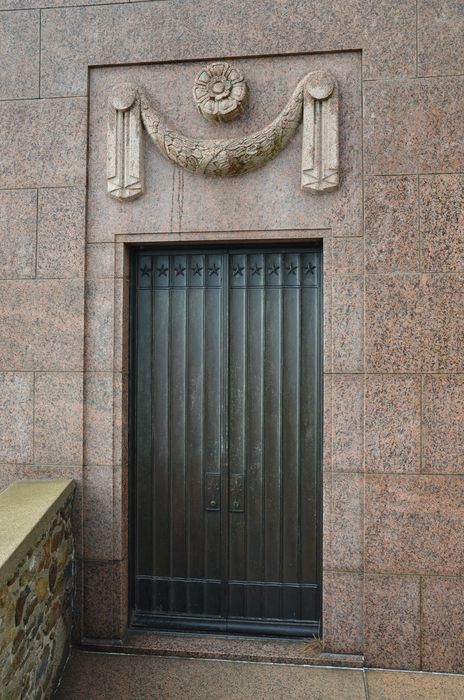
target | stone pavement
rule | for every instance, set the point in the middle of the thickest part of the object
(99, 676)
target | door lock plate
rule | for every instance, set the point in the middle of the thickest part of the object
(212, 491)
(237, 493)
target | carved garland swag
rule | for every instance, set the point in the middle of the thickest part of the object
(314, 100)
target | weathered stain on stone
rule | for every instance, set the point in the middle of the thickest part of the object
(45, 561)
(52, 576)
(20, 605)
(17, 640)
(57, 540)
(41, 588)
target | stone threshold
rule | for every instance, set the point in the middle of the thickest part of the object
(209, 646)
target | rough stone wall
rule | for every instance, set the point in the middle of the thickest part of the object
(396, 414)
(36, 618)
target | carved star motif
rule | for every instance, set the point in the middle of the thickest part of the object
(214, 270)
(238, 270)
(256, 269)
(162, 271)
(274, 269)
(145, 270)
(179, 270)
(309, 267)
(292, 268)
(196, 269)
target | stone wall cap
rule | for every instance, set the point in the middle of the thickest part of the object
(27, 509)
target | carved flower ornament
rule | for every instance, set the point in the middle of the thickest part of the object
(314, 102)
(220, 92)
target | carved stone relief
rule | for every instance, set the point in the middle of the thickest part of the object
(319, 162)
(125, 152)
(220, 92)
(315, 100)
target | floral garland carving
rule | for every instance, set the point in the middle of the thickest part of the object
(315, 96)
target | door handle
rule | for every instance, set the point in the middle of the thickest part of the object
(212, 491)
(237, 493)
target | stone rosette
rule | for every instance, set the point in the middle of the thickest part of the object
(220, 92)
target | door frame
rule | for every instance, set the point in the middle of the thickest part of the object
(202, 624)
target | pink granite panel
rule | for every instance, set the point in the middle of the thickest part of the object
(45, 140)
(105, 599)
(16, 417)
(101, 260)
(442, 341)
(18, 224)
(42, 325)
(98, 418)
(392, 621)
(77, 630)
(122, 260)
(413, 524)
(348, 323)
(327, 422)
(121, 325)
(442, 223)
(391, 127)
(343, 521)
(343, 612)
(32, 4)
(347, 256)
(441, 125)
(120, 418)
(391, 224)
(413, 126)
(120, 512)
(393, 323)
(90, 674)
(413, 323)
(443, 624)
(443, 421)
(327, 335)
(199, 678)
(393, 415)
(99, 324)
(58, 418)
(61, 232)
(440, 27)
(98, 513)
(327, 511)
(19, 53)
(77, 37)
(347, 422)
(396, 685)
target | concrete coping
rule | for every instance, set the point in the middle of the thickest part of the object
(27, 509)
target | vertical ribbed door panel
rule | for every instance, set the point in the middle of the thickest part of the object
(226, 438)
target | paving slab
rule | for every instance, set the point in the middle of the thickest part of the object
(402, 685)
(124, 677)
(97, 675)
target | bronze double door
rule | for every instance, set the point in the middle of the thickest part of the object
(226, 439)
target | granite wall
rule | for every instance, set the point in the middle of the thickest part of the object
(394, 346)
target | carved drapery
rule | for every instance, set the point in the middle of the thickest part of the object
(125, 151)
(315, 100)
(319, 161)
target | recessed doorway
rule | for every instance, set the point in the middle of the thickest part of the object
(226, 439)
